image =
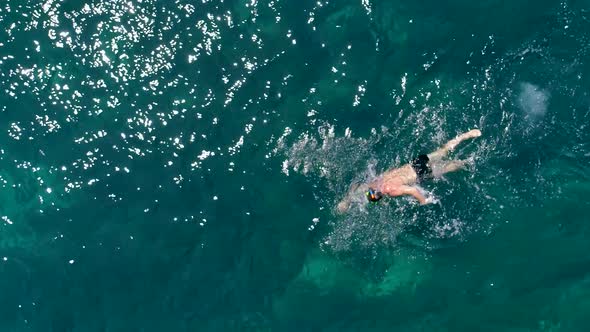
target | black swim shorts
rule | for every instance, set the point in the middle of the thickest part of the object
(421, 166)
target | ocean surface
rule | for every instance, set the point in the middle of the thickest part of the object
(173, 165)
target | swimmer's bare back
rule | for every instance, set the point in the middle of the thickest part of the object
(400, 181)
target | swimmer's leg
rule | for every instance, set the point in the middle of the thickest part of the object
(452, 144)
(441, 168)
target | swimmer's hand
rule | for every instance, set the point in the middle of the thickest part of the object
(343, 206)
(417, 193)
(429, 200)
(356, 190)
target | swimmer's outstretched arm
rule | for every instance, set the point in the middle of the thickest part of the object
(356, 188)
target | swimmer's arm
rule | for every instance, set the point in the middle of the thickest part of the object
(412, 191)
(344, 204)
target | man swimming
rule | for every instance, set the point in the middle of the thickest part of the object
(399, 181)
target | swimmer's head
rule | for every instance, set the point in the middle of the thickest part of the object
(373, 195)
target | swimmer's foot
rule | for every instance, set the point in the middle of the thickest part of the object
(452, 144)
(473, 133)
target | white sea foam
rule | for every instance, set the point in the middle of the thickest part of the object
(533, 100)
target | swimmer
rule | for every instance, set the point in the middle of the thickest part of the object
(399, 181)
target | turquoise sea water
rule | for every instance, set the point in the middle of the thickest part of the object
(173, 165)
